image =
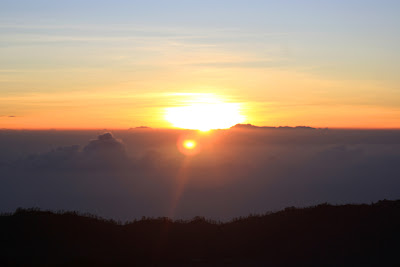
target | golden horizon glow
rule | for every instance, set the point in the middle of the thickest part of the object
(204, 113)
(99, 110)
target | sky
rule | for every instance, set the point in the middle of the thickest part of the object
(121, 64)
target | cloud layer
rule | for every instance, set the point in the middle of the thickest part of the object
(237, 172)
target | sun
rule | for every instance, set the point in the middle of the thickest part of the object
(204, 113)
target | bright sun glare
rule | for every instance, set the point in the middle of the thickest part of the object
(189, 144)
(204, 112)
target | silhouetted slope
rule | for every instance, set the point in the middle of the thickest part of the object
(325, 235)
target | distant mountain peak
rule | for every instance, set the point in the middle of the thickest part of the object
(251, 126)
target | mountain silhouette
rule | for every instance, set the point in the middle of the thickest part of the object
(323, 235)
(254, 127)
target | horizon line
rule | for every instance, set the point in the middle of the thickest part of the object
(250, 127)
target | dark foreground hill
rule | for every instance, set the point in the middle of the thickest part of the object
(324, 235)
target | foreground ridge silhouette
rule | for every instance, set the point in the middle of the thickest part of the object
(323, 235)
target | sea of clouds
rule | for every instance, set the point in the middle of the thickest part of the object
(140, 172)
